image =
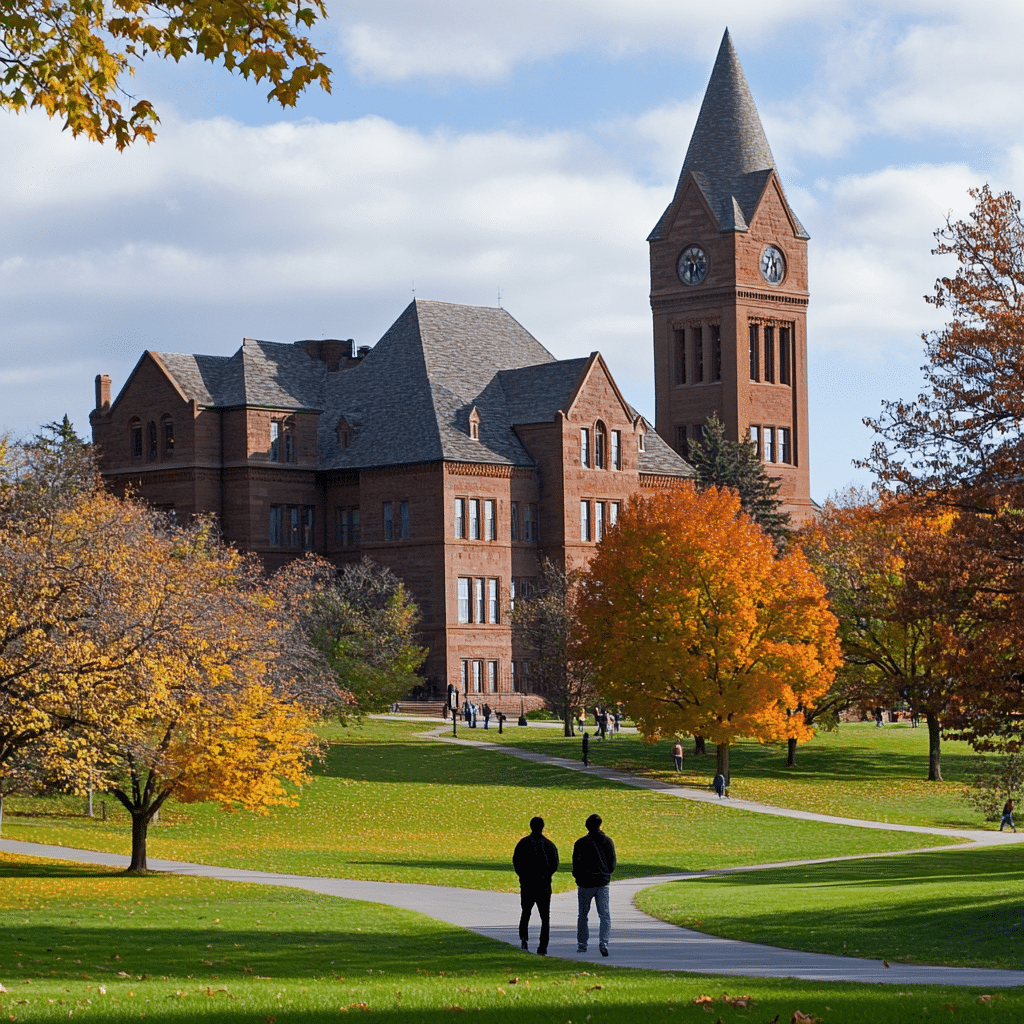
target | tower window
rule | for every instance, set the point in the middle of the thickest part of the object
(460, 518)
(616, 449)
(769, 444)
(585, 446)
(168, 431)
(755, 368)
(135, 440)
(514, 521)
(682, 442)
(490, 519)
(584, 520)
(152, 441)
(785, 356)
(680, 347)
(785, 454)
(698, 354)
(769, 354)
(755, 440)
(716, 352)
(600, 443)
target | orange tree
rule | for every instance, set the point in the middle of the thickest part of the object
(694, 626)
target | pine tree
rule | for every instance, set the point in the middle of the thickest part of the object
(723, 463)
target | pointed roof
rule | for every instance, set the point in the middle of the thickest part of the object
(729, 156)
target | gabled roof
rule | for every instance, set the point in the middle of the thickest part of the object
(728, 156)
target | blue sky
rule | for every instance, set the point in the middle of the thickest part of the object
(469, 149)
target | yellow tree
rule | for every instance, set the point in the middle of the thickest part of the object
(694, 626)
(71, 57)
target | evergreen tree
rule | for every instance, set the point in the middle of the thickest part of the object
(723, 463)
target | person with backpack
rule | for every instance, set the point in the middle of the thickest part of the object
(593, 861)
(535, 860)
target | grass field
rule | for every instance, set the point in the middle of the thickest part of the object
(959, 907)
(86, 943)
(859, 771)
(390, 805)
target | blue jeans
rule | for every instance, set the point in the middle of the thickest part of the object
(599, 894)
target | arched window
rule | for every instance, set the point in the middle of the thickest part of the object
(167, 433)
(152, 449)
(135, 439)
(600, 446)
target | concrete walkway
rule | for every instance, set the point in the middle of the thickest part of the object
(637, 939)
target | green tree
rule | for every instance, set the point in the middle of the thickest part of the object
(70, 58)
(723, 463)
(544, 622)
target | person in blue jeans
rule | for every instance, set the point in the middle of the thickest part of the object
(593, 861)
(1007, 818)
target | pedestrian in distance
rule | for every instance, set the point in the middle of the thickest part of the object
(719, 785)
(677, 755)
(535, 861)
(486, 709)
(586, 750)
(1007, 818)
(593, 861)
(602, 723)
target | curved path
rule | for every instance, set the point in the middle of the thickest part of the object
(637, 939)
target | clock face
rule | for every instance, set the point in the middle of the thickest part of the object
(773, 265)
(692, 266)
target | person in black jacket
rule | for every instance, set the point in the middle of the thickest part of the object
(535, 860)
(593, 861)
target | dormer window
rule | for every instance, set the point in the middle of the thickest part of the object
(600, 446)
(641, 437)
(344, 433)
(282, 440)
(474, 424)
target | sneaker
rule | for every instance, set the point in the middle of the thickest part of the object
(542, 952)
(581, 949)
(604, 951)
(523, 944)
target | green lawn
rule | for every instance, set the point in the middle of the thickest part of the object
(389, 805)
(86, 943)
(959, 907)
(858, 772)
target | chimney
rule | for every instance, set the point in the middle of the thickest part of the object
(102, 392)
(364, 350)
(332, 351)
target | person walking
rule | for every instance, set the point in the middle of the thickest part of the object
(719, 785)
(677, 755)
(486, 709)
(586, 750)
(593, 861)
(1007, 818)
(535, 860)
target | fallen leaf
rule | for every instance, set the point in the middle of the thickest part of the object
(803, 1018)
(699, 1000)
(984, 999)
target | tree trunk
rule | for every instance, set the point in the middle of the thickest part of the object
(934, 747)
(568, 723)
(791, 753)
(722, 753)
(699, 748)
(1, 814)
(140, 826)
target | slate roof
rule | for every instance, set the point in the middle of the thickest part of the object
(409, 399)
(729, 155)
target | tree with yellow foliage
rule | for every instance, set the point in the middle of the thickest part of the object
(694, 626)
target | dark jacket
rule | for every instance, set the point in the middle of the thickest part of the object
(593, 860)
(535, 860)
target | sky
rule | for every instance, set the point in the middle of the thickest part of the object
(516, 154)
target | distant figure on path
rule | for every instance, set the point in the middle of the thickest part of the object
(535, 861)
(677, 755)
(1007, 818)
(719, 785)
(586, 750)
(487, 715)
(593, 861)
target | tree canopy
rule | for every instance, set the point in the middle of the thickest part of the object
(694, 625)
(71, 58)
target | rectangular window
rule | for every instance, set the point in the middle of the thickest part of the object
(404, 522)
(293, 526)
(584, 520)
(460, 518)
(478, 677)
(755, 440)
(152, 441)
(515, 678)
(682, 442)
(465, 677)
(769, 444)
(307, 528)
(464, 598)
(680, 347)
(492, 677)
(389, 520)
(481, 601)
(289, 446)
(513, 526)
(275, 440)
(275, 526)
(785, 455)
(785, 356)
(492, 601)
(168, 439)
(754, 353)
(599, 438)
(524, 676)
(357, 532)
(599, 512)
(490, 519)
(613, 512)
(698, 354)
(474, 518)
(530, 523)
(585, 446)
(616, 449)
(136, 442)
(769, 354)
(716, 352)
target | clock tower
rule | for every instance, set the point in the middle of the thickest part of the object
(729, 293)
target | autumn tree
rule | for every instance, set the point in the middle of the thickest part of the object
(544, 622)
(71, 58)
(695, 626)
(362, 621)
(722, 463)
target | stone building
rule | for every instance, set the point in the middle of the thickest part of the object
(456, 451)
(729, 292)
